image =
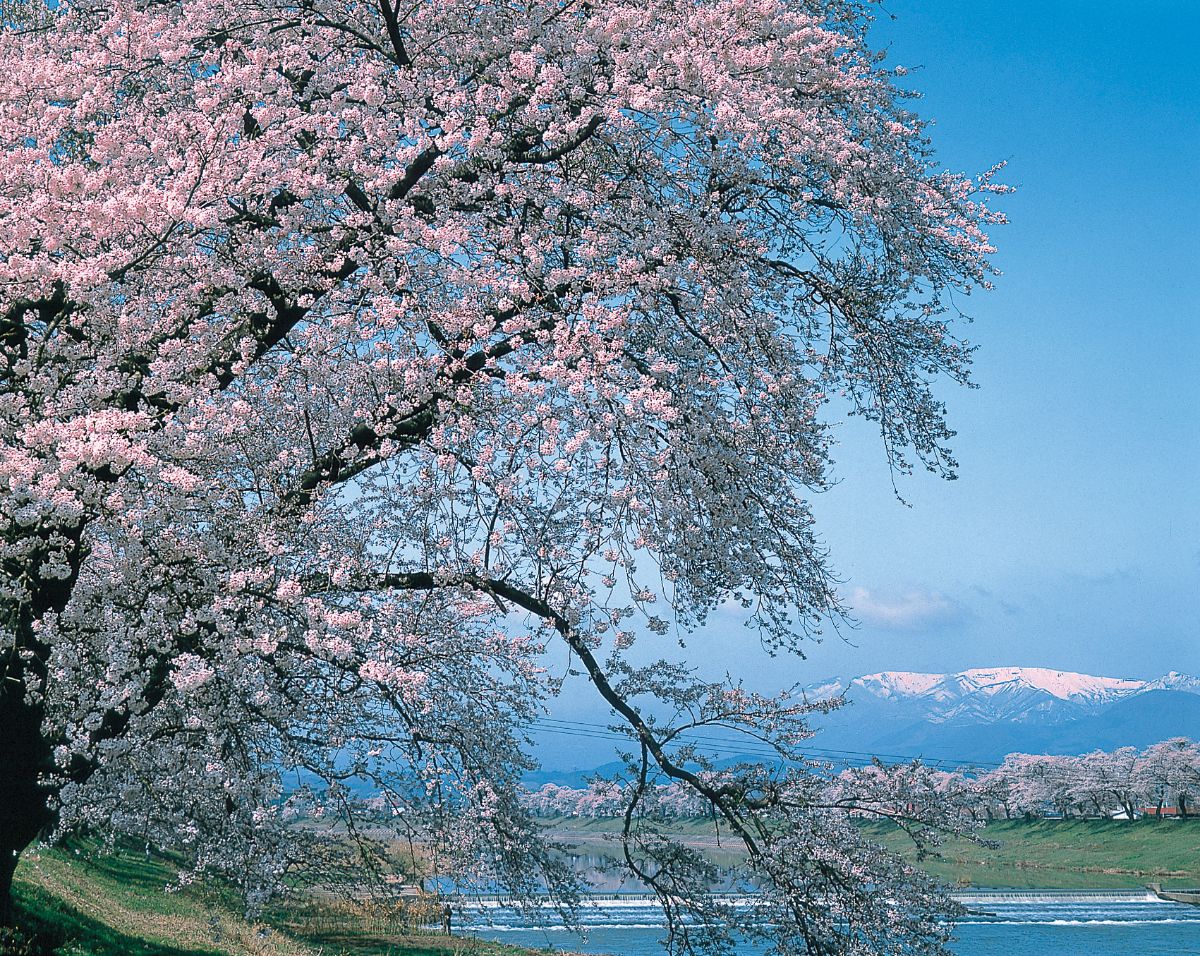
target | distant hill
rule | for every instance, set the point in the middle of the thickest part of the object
(987, 713)
(990, 694)
(982, 715)
(571, 778)
(1136, 722)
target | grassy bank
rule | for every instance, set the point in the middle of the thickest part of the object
(1068, 854)
(1044, 854)
(79, 904)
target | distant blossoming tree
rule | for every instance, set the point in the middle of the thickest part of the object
(1168, 773)
(351, 354)
(1122, 783)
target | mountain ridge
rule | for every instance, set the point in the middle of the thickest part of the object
(980, 715)
(985, 713)
(988, 694)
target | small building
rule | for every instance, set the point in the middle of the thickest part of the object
(1160, 811)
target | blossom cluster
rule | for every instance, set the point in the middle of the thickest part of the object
(359, 363)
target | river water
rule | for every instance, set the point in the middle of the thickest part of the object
(1001, 924)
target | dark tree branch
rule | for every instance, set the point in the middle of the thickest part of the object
(418, 168)
(393, 30)
(359, 450)
(550, 155)
(724, 799)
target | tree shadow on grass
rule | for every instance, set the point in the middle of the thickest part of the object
(52, 927)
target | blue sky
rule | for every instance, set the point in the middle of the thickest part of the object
(1071, 539)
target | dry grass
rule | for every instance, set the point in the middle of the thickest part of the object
(93, 904)
(138, 908)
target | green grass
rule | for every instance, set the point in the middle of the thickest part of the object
(689, 826)
(1041, 854)
(1067, 854)
(55, 928)
(595, 836)
(83, 903)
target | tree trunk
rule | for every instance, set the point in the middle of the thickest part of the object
(8, 866)
(24, 756)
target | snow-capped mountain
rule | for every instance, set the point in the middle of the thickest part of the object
(984, 694)
(1175, 681)
(978, 716)
(986, 712)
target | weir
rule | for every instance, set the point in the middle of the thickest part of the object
(1189, 896)
(972, 897)
(640, 913)
(966, 897)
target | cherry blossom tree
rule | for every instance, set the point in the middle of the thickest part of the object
(1108, 780)
(1170, 773)
(1099, 783)
(353, 356)
(608, 798)
(1035, 782)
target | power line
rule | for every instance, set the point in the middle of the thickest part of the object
(731, 747)
(725, 742)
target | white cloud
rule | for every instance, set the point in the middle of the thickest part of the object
(903, 610)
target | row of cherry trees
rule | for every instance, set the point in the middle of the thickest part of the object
(1126, 781)
(909, 793)
(1162, 778)
(606, 798)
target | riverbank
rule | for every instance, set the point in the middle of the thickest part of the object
(1067, 854)
(1041, 854)
(79, 904)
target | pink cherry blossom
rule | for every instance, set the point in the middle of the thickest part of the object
(338, 339)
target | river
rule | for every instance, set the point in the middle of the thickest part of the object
(1002, 924)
